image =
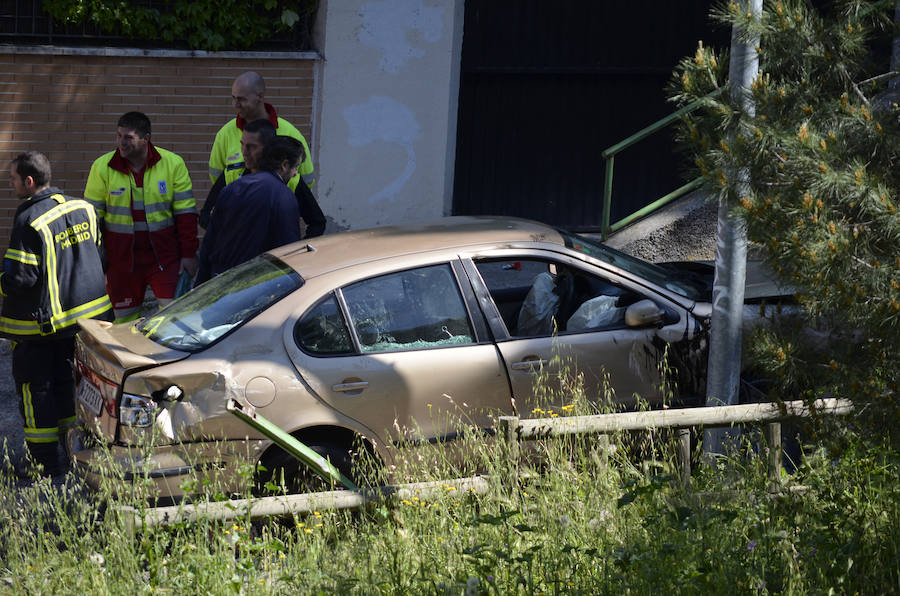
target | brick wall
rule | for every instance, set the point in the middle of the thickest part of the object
(65, 103)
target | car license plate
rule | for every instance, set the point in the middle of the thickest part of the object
(89, 395)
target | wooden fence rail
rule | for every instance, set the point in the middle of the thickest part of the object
(513, 430)
(285, 505)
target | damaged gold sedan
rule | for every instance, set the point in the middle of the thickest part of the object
(360, 337)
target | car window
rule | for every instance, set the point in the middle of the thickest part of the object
(227, 301)
(537, 297)
(409, 310)
(689, 286)
(322, 330)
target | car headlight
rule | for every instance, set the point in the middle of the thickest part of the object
(137, 411)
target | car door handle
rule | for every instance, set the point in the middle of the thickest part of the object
(344, 387)
(530, 365)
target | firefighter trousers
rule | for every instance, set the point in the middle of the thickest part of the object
(45, 381)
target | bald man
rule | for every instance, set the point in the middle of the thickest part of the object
(248, 98)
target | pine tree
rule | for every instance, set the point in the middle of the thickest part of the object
(823, 202)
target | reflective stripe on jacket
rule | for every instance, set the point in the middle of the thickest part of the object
(226, 157)
(53, 270)
(168, 201)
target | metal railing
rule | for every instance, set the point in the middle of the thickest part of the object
(26, 23)
(610, 153)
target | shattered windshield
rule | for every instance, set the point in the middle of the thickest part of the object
(227, 301)
(660, 276)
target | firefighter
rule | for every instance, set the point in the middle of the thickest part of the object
(52, 276)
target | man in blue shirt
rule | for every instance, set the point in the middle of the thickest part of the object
(255, 213)
(253, 139)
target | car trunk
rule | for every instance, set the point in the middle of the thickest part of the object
(105, 355)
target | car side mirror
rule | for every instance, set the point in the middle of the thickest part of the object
(644, 313)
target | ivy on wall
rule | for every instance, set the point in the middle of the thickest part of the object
(211, 25)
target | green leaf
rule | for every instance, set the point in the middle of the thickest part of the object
(289, 17)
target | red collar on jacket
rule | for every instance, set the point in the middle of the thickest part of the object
(120, 164)
(270, 110)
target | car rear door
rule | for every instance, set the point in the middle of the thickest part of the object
(414, 361)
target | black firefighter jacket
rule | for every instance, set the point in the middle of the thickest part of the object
(53, 270)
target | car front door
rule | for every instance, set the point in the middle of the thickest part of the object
(561, 328)
(412, 364)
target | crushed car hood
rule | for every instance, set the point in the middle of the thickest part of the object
(761, 283)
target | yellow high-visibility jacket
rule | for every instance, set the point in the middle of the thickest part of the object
(226, 159)
(167, 198)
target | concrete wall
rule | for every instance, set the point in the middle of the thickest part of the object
(386, 124)
(65, 102)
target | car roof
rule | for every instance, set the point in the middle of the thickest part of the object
(335, 251)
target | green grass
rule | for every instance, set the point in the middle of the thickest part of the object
(575, 524)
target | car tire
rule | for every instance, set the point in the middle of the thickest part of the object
(280, 473)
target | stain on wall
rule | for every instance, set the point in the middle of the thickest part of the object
(392, 28)
(383, 119)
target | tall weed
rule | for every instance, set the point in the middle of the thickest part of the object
(583, 517)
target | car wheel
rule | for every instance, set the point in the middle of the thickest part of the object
(280, 473)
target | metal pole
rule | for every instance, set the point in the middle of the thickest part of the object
(724, 370)
(895, 53)
(607, 195)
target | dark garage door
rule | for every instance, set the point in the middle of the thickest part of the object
(546, 86)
